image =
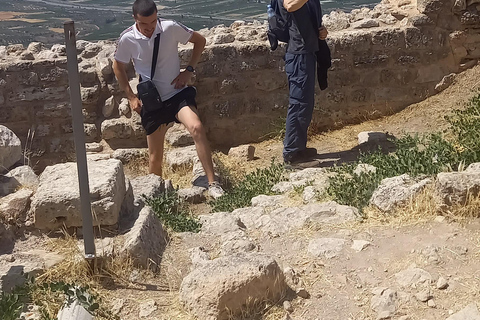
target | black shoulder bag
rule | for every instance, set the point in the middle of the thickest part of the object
(147, 92)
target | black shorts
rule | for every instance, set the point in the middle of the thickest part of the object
(151, 120)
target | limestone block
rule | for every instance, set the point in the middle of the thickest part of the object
(120, 128)
(366, 23)
(25, 176)
(192, 195)
(108, 107)
(150, 186)
(454, 187)
(35, 47)
(181, 157)
(90, 95)
(57, 200)
(244, 152)
(146, 240)
(396, 191)
(225, 285)
(127, 155)
(14, 207)
(10, 149)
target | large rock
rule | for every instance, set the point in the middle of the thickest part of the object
(145, 242)
(282, 220)
(470, 312)
(10, 149)
(223, 287)
(396, 191)
(57, 200)
(14, 207)
(455, 187)
(25, 176)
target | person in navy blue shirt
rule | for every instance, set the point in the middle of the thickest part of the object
(305, 31)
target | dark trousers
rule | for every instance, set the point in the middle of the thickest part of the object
(300, 69)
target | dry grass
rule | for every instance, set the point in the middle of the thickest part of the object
(106, 274)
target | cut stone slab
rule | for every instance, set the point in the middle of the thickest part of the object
(396, 191)
(57, 200)
(183, 157)
(220, 288)
(470, 312)
(328, 247)
(146, 240)
(25, 176)
(10, 149)
(244, 152)
(178, 136)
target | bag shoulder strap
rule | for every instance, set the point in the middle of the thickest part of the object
(155, 56)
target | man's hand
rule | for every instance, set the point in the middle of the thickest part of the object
(135, 104)
(182, 79)
(322, 33)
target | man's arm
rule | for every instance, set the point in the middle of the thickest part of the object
(293, 5)
(122, 78)
(198, 45)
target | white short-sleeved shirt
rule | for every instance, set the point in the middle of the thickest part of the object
(133, 45)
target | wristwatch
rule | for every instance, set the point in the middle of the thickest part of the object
(190, 69)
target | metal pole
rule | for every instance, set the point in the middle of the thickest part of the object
(79, 138)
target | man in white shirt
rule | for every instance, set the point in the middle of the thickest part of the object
(136, 43)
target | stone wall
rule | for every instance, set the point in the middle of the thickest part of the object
(383, 60)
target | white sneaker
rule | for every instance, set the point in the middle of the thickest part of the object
(215, 190)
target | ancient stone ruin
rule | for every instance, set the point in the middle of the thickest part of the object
(384, 59)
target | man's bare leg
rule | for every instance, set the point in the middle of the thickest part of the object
(192, 122)
(156, 142)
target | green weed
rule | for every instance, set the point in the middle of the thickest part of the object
(173, 213)
(415, 155)
(256, 183)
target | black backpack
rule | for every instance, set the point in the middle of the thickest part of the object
(277, 25)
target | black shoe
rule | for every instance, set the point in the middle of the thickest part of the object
(307, 153)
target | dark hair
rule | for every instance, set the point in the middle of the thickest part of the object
(144, 8)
